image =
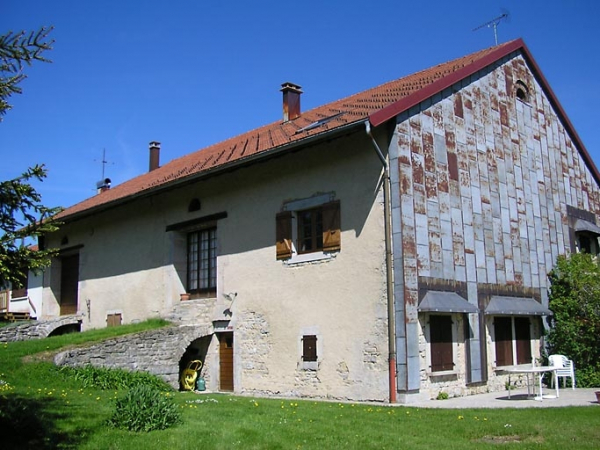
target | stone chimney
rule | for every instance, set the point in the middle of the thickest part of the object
(291, 101)
(154, 155)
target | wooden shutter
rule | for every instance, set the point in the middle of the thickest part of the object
(332, 234)
(503, 336)
(113, 320)
(283, 226)
(440, 334)
(19, 290)
(523, 338)
(309, 348)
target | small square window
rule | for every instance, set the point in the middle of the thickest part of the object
(113, 320)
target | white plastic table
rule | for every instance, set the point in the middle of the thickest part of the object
(528, 369)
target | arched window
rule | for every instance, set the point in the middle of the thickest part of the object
(522, 92)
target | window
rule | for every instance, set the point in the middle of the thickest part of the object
(587, 242)
(19, 290)
(310, 230)
(513, 338)
(309, 348)
(202, 261)
(440, 337)
(308, 227)
(194, 205)
(522, 92)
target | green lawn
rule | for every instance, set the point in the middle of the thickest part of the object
(43, 408)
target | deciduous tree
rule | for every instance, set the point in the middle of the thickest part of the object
(575, 325)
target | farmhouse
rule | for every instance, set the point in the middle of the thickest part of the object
(387, 246)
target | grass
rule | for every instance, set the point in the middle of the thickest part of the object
(43, 407)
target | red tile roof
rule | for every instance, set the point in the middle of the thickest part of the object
(378, 105)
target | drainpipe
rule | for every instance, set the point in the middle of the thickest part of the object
(388, 265)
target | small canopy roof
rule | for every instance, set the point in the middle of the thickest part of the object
(441, 301)
(584, 225)
(516, 306)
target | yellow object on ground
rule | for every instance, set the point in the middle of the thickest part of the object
(189, 375)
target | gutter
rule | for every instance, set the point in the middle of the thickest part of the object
(388, 266)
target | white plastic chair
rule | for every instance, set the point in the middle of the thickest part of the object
(565, 368)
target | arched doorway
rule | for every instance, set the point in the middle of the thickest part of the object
(197, 350)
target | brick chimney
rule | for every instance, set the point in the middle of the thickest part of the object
(291, 101)
(154, 155)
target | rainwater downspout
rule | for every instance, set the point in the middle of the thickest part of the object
(388, 266)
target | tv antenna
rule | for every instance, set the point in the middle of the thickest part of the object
(104, 162)
(494, 24)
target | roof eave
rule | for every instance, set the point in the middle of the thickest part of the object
(267, 154)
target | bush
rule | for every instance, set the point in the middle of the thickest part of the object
(112, 379)
(144, 408)
(575, 326)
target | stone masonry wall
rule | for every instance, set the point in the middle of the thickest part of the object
(35, 329)
(156, 351)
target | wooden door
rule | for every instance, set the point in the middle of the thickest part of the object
(226, 362)
(69, 284)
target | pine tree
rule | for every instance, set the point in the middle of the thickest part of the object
(22, 215)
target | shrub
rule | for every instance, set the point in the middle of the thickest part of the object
(144, 408)
(442, 396)
(111, 379)
(575, 325)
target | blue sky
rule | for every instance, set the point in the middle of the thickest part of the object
(192, 73)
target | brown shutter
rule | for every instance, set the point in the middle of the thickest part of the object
(523, 338)
(503, 336)
(283, 225)
(332, 234)
(440, 334)
(309, 348)
(113, 320)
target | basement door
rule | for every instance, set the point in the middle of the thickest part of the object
(69, 284)
(226, 362)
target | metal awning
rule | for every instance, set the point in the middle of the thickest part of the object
(441, 301)
(516, 306)
(584, 225)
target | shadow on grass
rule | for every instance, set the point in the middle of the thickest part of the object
(27, 423)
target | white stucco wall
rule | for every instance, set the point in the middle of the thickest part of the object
(129, 264)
